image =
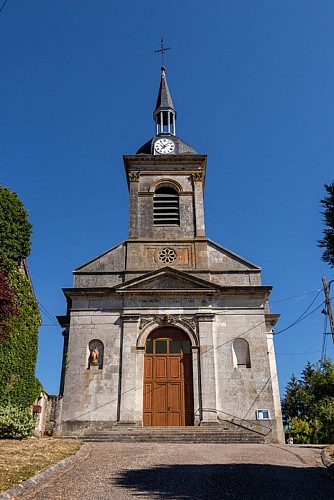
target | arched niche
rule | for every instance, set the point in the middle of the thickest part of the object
(241, 353)
(95, 353)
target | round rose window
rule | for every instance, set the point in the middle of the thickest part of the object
(167, 255)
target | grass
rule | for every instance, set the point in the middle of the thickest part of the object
(20, 460)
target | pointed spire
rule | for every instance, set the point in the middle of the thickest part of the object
(164, 100)
(164, 114)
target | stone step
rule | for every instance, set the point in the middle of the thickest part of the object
(176, 439)
(174, 434)
(175, 430)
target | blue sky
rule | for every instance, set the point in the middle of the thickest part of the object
(252, 82)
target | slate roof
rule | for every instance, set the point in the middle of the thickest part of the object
(164, 100)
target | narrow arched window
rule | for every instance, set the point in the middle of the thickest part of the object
(95, 355)
(166, 207)
(240, 352)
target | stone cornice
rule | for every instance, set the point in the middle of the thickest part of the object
(193, 271)
(205, 317)
(138, 160)
(272, 318)
(136, 165)
(221, 291)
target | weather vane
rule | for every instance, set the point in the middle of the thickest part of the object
(162, 50)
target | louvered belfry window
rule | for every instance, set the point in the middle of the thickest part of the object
(166, 207)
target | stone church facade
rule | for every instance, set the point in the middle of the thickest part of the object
(168, 328)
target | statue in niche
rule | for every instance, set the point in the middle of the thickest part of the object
(94, 356)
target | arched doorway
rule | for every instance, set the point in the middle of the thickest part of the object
(168, 379)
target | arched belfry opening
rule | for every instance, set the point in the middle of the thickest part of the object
(168, 379)
(166, 206)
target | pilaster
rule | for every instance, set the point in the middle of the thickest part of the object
(196, 385)
(198, 203)
(127, 386)
(207, 368)
(133, 210)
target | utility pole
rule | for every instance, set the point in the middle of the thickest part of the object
(328, 306)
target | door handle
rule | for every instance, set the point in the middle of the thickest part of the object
(169, 408)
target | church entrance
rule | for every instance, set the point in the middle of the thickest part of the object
(168, 379)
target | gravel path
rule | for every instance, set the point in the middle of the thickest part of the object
(193, 471)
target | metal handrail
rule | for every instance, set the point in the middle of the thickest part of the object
(234, 418)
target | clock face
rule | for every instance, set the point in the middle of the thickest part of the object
(164, 146)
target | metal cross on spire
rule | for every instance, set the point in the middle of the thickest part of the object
(162, 50)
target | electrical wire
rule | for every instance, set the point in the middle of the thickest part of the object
(303, 315)
(301, 319)
(298, 320)
(47, 314)
(295, 296)
(2, 6)
(295, 353)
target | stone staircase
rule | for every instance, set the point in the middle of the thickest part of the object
(215, 434)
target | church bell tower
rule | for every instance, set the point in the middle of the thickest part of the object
(166, 182)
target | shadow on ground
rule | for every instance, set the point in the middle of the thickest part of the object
(232, 481)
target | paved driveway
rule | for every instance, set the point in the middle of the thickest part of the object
(193, 471)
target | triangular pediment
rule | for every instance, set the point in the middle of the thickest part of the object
(167, 279)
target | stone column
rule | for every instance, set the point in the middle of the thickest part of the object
(198, 204)
(127, 386)
(207, 367)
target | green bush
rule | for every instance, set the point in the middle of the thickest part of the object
(300, 430)
(15, 422)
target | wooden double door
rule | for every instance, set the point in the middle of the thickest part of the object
(168, 379)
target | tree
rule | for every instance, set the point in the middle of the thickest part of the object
(308, 404)
(292, 405)
(327, 242)
(19, 314)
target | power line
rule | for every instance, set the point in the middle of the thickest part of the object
(300, 319)
(303, 315)
(2, 6)
(295, 296)
(295, 353)
(48, 315)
